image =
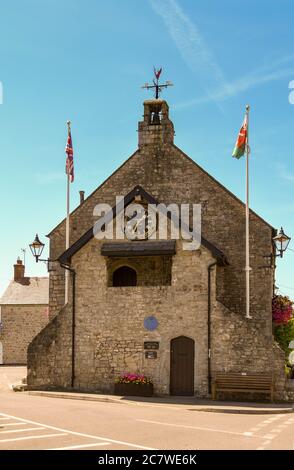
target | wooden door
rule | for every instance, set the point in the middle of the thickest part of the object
(182, 366)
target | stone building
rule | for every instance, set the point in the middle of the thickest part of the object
(188, 306)
(23, 314)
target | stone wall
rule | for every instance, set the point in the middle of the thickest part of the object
(49, 354)
(110, 320)
(109, 327)
(164, 171)
(20, 324)
(110, 332)
(151, 270)
(240, 345)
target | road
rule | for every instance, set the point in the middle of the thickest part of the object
(34, 422)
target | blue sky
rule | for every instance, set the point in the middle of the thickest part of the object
(86, 61)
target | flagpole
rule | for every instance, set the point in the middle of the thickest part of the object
(67, 225)
(247, 265)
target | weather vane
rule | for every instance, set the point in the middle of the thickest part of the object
(158, 87)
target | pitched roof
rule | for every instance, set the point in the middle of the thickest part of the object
(93, 192)
(65, 257)
(29, 291)
(220, 185)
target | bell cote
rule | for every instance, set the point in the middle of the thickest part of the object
(156, 128)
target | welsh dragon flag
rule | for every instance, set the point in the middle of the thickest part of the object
(241, 142)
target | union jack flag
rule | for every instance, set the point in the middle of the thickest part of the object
(69, 167)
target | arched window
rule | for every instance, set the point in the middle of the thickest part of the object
(124, 276)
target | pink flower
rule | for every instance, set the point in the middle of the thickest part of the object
(133, 378)
(282, 309)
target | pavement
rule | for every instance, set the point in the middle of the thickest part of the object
(10, 375)
(191, 403)
(30, 420)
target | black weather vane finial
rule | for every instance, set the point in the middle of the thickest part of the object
(156, 85)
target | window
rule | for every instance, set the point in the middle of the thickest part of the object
(140, 271)
(124, 276)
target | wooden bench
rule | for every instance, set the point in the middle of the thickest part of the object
(242, 382)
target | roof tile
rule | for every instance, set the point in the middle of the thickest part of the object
(31, 290)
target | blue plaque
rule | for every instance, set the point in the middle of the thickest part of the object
(150, 323)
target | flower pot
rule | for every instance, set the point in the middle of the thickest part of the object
(135, 390)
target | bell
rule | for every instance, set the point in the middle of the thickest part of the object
(155, 118)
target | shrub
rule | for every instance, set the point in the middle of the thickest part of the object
(288, 371)
(282, 309)
(284, 333)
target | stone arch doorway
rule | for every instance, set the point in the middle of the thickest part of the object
(182, 357)
(1, 353)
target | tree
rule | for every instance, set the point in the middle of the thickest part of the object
(284, 333)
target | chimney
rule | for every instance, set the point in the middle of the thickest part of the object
(19, 270)
(82, 196)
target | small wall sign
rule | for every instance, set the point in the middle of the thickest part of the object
(150, 323)
(151, 354)
(151, 345)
